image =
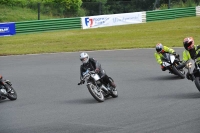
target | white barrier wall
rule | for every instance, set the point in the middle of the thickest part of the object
(198, 11)
(112, 20)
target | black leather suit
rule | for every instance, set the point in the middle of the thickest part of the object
(93, 64)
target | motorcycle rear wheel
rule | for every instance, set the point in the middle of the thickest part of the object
(197, 82)
(98, 95)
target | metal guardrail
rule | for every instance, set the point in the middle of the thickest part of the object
(48, 25)
(170, 14)
(75, 23)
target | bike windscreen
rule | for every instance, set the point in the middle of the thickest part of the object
(166, 57)
(193, 64)
(86, 72)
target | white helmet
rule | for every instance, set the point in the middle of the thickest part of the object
(84, 57)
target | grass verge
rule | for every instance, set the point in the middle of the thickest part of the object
(16, 14)
(145, 35)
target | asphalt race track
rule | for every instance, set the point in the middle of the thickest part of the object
(50, 101)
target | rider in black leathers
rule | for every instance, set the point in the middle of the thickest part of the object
(93, 65)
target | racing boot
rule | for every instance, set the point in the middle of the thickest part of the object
(113, 85)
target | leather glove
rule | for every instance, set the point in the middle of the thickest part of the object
(97, 70)
(82, 82)
(174, 53)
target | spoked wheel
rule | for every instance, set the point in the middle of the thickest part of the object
(12, 95)
(96, 93)
(197, 82)
(114, 92)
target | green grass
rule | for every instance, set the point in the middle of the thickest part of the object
(145, 35)
(16, 14)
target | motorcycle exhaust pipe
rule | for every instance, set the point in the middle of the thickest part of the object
(104, 88)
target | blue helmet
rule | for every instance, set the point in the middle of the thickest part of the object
(159, 47)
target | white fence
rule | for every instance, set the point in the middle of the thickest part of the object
(198, 11)
(144, 17)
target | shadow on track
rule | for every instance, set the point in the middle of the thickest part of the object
(84, 101)
(170, 77)
(80, 101)
(180, 96)
(3, 101)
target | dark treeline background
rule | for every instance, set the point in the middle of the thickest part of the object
(78, 8)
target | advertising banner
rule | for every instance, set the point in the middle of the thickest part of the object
(7, 29)
(111, 20)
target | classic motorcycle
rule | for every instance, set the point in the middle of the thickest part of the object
(193, 74)
(173, 64)
(97, 87)
(6, 90)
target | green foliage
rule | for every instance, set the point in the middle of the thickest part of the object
(8, 14)
(190, 3)
(71, 5)
(179, 4)
(164, 6)
(62, 8)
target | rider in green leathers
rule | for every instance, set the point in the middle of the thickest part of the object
(191, 51)
(160, 49)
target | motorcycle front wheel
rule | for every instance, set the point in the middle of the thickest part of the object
(12, 95)
(197, 82)
(96, 93)
(181, 74)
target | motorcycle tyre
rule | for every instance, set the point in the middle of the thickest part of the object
(177, 72)
(12, 96)
(197, 82)
(99, 99)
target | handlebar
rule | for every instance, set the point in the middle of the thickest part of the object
(81, 82)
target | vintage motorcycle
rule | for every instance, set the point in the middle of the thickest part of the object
(97, 87)
(193, 74)
(6, 90)
(173, 64)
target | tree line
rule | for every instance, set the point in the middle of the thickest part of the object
(78, 8)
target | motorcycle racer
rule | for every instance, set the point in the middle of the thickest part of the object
(93, 65)
(191, 52)
(160, 50)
